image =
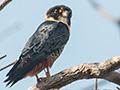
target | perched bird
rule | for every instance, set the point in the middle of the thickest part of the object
(44, 46)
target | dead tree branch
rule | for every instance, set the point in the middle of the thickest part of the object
(3, 57)
(103, 70)
(96, 82)
(103, 12)
(4, 3)
(118, 88)
(8, 65)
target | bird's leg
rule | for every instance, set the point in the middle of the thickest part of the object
(38, 80)
(47, 74)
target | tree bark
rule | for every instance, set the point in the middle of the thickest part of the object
(3, 57)
(4, 3)
(103, 70)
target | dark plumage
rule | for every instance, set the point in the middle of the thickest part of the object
(43, 47)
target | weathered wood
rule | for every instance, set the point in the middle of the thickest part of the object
(35, 88)
(112, 77)
(3, 57)
(4, 3)
(102, 70)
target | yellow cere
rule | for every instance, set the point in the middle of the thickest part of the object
(60, 10)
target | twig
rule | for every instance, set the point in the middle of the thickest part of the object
(95, 84)
(45, 72)
(4, 3)
(103, 12)
(3, 57)
(104, 70)
(8, 65)
(118, 88)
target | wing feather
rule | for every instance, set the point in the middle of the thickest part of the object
(49, 37)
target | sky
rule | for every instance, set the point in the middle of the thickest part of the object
(92, 38)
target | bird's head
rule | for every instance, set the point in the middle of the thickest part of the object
(60, 13)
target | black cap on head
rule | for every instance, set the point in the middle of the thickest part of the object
(61, 13)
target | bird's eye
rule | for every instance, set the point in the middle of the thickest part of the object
(55, 11)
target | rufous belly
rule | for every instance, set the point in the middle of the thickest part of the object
(38, 68)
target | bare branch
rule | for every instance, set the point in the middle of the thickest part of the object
(8, 65)
(3, 57)
(103, 70)
(96, 81)
(118, 88)
(113, 77)
(4, 3)
(103, 12)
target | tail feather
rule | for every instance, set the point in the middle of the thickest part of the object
(23, 67)
(7, 79)
(8, 83)
(13, 78)
(13, 83)
(13, 69)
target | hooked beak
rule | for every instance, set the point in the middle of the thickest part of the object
(65, 14)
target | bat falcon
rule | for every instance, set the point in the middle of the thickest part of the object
(44, 46)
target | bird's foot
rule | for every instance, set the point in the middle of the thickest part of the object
(38, 80)
(42, 78)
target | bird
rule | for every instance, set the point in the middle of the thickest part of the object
(44, 46)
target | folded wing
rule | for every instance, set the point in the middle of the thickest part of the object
(49, 37)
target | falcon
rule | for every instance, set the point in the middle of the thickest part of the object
(44, 46)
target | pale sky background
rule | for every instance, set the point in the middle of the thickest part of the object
(93, 38)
